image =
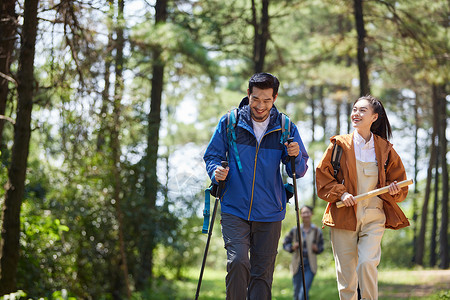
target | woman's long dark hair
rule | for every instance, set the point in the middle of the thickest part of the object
(381, 126)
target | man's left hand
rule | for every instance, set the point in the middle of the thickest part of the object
(293, 149)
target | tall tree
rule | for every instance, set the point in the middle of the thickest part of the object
(148, 242)
(313, 133)
(261, 34)
(361, 48)
(8, 24)
(420, 245)
(416, 171)
(9, 245)
(434, 220)
(443, 233)
(116, 145)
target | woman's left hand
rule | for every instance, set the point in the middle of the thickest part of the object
(393, 188)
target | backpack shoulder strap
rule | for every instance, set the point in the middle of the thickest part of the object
(285, 128)
(336, 159)
(231, 134)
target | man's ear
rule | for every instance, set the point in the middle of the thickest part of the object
(248, 93)
(275, 98)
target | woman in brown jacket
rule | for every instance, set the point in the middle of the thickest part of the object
(368, 162)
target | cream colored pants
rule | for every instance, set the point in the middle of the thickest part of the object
(357, 253)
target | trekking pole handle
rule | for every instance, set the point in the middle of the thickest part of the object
(224, 164)
(290, 140)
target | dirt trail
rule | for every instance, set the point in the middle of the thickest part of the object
(433, 280)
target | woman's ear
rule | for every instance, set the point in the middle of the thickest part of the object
(375, 117)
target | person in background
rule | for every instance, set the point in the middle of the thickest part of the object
(368, 161)
(312, 240)
(254, 200)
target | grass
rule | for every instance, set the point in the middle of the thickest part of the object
(393, 284)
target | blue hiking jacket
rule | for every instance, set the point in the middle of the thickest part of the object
(257, 193)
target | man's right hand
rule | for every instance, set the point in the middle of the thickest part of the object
(221, 173)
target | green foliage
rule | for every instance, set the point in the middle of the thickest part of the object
(13, 296)
(393, 242)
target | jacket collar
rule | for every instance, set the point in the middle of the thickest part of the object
(382, 146)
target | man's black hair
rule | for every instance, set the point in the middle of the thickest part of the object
(264, 81)
(308, 207)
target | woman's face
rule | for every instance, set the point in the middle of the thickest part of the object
(363, 115)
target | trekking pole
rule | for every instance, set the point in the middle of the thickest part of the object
(299, 233)
(219, 191)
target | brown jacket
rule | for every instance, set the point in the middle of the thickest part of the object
(331, 190)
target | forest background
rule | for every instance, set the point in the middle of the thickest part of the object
(106, 109)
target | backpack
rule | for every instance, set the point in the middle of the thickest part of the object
(232, 118)
(336, 160)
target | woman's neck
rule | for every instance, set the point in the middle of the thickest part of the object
(365, 134)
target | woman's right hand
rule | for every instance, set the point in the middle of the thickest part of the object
(348, 199)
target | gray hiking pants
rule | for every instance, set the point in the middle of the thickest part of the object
(250, 278)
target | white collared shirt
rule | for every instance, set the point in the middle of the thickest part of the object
(364, 152)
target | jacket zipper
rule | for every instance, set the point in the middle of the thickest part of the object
(254, 172)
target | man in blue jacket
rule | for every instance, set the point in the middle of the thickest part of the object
(254, 199)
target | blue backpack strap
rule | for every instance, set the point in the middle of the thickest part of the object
(231, 134)
(206, 210)
(285, 128)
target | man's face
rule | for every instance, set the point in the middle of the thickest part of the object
(306, 214)
(261, 102)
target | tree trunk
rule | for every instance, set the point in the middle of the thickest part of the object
(323, 114)
(8, 24)
(349, 107)
(261, 35)
(115, 142)
(435, 212)
(9, 245)
(148, 243)
(416, 171)
(313, 126)
(420, 246)
(105, 94)
(443, 234)
(436, 123)
(362, 62)
(338, 119)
